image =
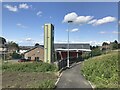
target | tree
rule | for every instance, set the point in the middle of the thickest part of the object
(96, 52)
(114, 45)
(119, 46)
(105, 43)
(93, 47)
(116, 41)
(12, 46)
(37, 44)
(16, 55)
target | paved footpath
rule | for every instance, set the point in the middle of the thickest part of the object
(72, 78)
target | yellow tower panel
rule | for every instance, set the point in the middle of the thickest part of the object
(48, 43)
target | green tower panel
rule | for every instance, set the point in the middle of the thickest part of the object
(48, 43)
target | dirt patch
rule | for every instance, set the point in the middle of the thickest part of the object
(25, 79)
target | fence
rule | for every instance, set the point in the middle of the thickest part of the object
(63, 63)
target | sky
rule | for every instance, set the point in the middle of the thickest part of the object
(93, 22)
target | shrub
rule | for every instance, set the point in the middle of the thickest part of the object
(16, 55)
(86, 55)
(96, 52)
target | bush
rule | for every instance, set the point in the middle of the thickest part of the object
(96, 52)
(29, 67)
(16, 55)
(86, 55)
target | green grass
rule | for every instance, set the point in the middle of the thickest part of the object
(29, 67)
(102, 70)
(37, 74)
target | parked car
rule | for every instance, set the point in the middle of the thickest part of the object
(27, 60)
(24, 60)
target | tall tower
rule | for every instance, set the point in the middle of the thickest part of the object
(48, 43)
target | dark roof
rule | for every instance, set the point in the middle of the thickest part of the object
(26, 47)
(72, 46)
(34, 48)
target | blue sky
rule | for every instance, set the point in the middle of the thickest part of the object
(92, 22)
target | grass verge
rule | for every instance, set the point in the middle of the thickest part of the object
(29, 75)
(102, 70)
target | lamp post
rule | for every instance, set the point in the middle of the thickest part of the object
(68, 47)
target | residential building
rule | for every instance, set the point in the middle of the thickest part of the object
(3, 48)
(36, 53)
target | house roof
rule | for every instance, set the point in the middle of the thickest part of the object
(73, 50)
(72, 46)
(26, 47)
(34, 48)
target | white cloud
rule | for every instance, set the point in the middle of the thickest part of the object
(11, 8)
(39, 13)
(83, 19)
(70, 17)
(77, 19)
(22, 26)
(24, 6)
(28, 39)
(116, 32)
(102, 32)
(16, 8)
(74, 30)
(104, 20)
(40, 42)
(112, 32)
(92, 21)
(95, 43)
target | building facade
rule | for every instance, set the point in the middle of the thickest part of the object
(48, 43)
(75, 50)
(3, 48)
(36, 53)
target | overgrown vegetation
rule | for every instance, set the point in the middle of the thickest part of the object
(16, 55)
(47, 84)
(102, 70)
(36, 74)
(29, 67)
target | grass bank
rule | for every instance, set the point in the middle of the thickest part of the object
(102, 70)
(29, 75)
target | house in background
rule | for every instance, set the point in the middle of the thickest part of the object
(3, 48)
(36, 53)
(76, 49)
